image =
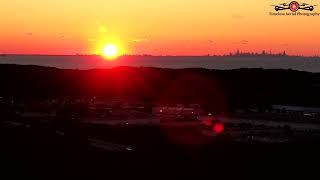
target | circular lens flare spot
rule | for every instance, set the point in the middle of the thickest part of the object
(218, 128)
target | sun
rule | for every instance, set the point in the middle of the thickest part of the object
(110, 51)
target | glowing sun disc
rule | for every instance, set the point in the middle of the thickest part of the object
(110, 51)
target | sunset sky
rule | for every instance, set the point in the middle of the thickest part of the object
(157, 27)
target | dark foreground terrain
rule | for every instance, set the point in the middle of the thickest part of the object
(215, 90)
(64, 145)
(37, 150)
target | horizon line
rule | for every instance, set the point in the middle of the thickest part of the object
(243, 54)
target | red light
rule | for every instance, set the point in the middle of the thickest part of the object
(207, 122)
(218, 128)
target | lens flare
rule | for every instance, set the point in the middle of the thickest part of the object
(218, 128)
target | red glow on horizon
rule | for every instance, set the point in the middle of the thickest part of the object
(207, 122)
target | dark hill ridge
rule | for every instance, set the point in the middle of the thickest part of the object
(215, 89)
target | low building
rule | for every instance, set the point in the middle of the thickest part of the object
(297, 110)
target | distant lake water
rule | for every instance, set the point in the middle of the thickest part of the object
(210, 62)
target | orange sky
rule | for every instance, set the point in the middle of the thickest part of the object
(166, 27)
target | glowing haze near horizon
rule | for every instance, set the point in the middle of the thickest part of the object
(156, 27)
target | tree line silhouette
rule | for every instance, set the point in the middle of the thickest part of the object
(216, 90)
